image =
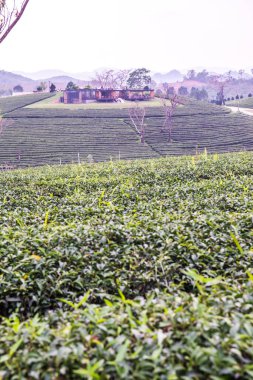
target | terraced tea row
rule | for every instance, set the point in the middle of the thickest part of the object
(50, 136)
(190, 108)
(51, 141)
(217, 133)
(11, 103)
(242, 103)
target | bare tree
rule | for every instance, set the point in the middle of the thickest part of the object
(121, 78)
(112, 78)
(222, 81)
(105, 78)
(10, 13)
(241, 72)
(169, 110)
(137, 117)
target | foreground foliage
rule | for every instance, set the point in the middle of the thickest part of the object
(138, 270)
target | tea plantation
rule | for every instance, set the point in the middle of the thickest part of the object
(12, 103)
(128, 270)
(38, 136)
(243, 103)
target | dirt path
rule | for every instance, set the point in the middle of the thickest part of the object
(246, 111)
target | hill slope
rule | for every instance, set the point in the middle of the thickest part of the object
(9, 80)
(164, 250)
(243, 103)
(37, 136)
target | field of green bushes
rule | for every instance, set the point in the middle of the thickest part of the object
(128, 270)
(243, 103)
(40, 136)
(12, 103)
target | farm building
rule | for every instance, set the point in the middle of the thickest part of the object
(79, 96)
(104, 95)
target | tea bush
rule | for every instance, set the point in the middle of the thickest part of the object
(128, 270)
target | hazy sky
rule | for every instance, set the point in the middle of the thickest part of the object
(83, 35)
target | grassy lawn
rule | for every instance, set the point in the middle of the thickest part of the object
(54, 103)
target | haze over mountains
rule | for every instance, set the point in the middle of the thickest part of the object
(29, 81)
(9, 80)
(169, 76)
(45, 74)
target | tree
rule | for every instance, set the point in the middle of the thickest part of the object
(202, 76)
(121, 78)
(18, 88)
(105, 78)
(71, 87)
(250, 95)
(199, 94)
(139, 78)
(183, 91)
(52, 88)
(169, 110)
(137, 117)
(203, 94)
(112, 78)
(159, 93)
(221, 81)
(42, 86)
(165, 86)
(190, 75)
(10, 13)
(171, 91)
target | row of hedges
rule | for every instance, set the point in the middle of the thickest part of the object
(137, 270)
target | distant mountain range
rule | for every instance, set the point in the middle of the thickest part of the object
(9, 80)
(45, 74)
(170, 77)
(29, 81)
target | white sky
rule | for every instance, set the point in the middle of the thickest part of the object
(83, 35)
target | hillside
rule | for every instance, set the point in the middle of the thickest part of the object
(49, 133)
(9, 80)
(243, 103)
(231, 90)
(13, 103)
(171, 76)
(128, 270)
(62, 81)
